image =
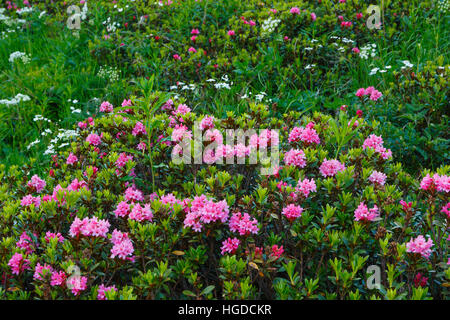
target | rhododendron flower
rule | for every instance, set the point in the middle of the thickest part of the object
(26, 243)
(18, 263)
(377, 177)
(307, 135)
(123, 247)
(376, 143)
(180, 133)
(306, 186)
(231, 32)
(58, 278)
(76, 284)
(420, 245)
(89, 227)
(176, 57)
(295, 157)
(446, 209)
(126, 103)
(405, 206)
(37, 183)
(361, 92)
(295, 10)
(207, 123)
(140, 214)
(195, 32)
(313, 16)
(139, 128)
(170, 199)
(122, 210)
(420, 280)
(102, 289)
(292, 212)
(362, 213)
(72, 159)
(243, 223)
(192, 49)
(50, 235)
(213, 135)
(204, 211)
(106, 107)
(94, 139)
(329, 168)
(276, 251)
(123, 159)
(241, 150)
(356, 50)
(230, 245)
(133, 194)
(41, 271)
(142, 146)
(29, 200)
(437, 182)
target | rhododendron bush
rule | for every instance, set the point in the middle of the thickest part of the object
(114, 217)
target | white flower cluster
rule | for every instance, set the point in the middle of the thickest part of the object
(407, 64)
(258, 97)
(224, 84)
(63, 136)
(268, 26)
(19, 55)
(368, 50)
(378, 70)
(16, 100)
(40, 117)
(111, 26)
(443, 5)
(108, 73)
(24, 10)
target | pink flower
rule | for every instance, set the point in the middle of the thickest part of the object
(94, 139)
(76, 284)
(89, 227)
(329, 168)
(29, 200)
(139, 128)
(106, 107)
(192, 49)
(195, 32)
(122, 210)
(17, 263)
(437, 182)
(356, 50)
(360, 92)
(58, 278)
(241, 150)
(359, 15)
(295, 157)
(102, 289)
(362, 213)
(123, 159)
(72, 159)
(26, 243)
(133, 194)
(230, 245)
(277, 251)
(126, 103)
(41, 271)
(50, 235)
(141, 146)
(243, 223)
(419, 245)
(446, 209)
(140, 214)
(213, 135)
(204, 211)
(123, 247)
(307, 135)
(231, 33)
(313, 16)
(306, 186)
(376, 143)
(207, 123)
(37, 183)
(295, 10)
(377, 177)
(181, 132)
(292, 212)
(265, 138)
(176, 57)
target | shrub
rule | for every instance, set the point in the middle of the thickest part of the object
(123, 222)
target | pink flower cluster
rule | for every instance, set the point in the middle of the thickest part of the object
(94, 139)
(243, 223)
(373, 94)
(102, 289)
(26, 243)
(204, 211)
(276, 251)
(41, 271)
(420, 245)
(18, 263)
(292, 212)
(89, 227)
(72, 159)
(295, 157)
(306, 187)
(362, 213)
(230, 245)
(138, 129)
(437, 182)
(377, 177)
(77, 284)
(307, 135)
(37, 183)
(50, 235)
(329, 168)
(265, 138)
(122, 246)
(207, 123)
(106, 107)
(376, 142)
(123, 159)
(132, 194)
(29, 200)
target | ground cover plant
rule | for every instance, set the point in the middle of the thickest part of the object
(120, 177)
